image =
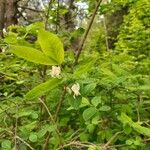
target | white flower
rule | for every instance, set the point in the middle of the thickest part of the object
(76, 88)
(55, 72)
(4, 30)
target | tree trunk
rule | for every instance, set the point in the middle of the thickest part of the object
(2, 16)
(11, 11)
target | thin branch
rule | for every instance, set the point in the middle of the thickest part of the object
(45, 147)
(75, 144)
(46, 108)
(21, 15)
(27, 144)
(32, 9)
(60, 103)
(22, 140)
(78, 144)
(112, 139)
(52, 119)
(87, 32)
(25, 5)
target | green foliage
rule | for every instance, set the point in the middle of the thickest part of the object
(101, 103)
(51, 46)
(142, 130)
(42, 88)
(135, 29)
(32, 55)
(89, 113)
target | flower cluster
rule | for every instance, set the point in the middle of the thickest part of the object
(75, 89)
(55, 72)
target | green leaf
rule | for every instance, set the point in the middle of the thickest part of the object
(135, 125)
(23, 147)
(96, 100)
(142, 130)
(33, 137)
(6, 144)
(90, 128)
(28, 127)
(84, 68)
(129, 142)
(32, 55)
(84, 102)
(95, 120)
(42, 88)
(94, 148)
(104, 108)
(46, 128)
(51, 45)
(74, 102)
(127, 129)
(142, 87)
(84, 136)
(89, 113)
(125, 119)
(34, 27)
(89, 88)
(11, 38)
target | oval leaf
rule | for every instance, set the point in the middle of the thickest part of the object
(51, 45)
(33, 137)
(89, 113)
(105, 108)
(6, 144)
(96, 100)
(42, 88)
(32, 55)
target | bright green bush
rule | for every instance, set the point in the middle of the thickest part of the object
(109, 98)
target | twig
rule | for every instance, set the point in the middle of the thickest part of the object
(112, 139)
(123, 145)
(73, 137)
(46, 108)
(88, 144)
(86, 33)
(77, 144)
(53, 122)
(23, 9)
(35, 10)
(60, 103)
(45, 147)
(22, 140)
(27, 144)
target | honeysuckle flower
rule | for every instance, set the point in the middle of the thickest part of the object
(4, 30)
(76, 88)
(55, 72)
